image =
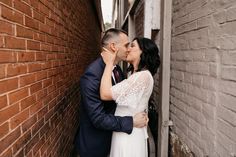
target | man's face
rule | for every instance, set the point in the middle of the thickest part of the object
(122, 47)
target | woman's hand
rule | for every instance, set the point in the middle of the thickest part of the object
(108, 56)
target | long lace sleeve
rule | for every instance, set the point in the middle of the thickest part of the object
(132, 88)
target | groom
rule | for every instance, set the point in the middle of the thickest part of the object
(97, 120)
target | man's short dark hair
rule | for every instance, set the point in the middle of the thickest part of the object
(111, 33)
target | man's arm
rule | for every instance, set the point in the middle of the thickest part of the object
(93, 105)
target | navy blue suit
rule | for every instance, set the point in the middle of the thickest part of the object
(97, 120)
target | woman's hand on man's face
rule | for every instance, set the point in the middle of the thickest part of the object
(108, 56)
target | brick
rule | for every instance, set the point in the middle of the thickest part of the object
(227, 115)
(11, 15)
(40, 37)
(41, 94)
(2, 71)
(38, 16)
(226, 42)
(45, 47)
(33, 45)
(8, 140)
(228, 101)
(35, 87)
(231, 14)
(41, 75)
(24, 32)
(228, 87)
(3, 101)
(23, 7)
(7, 2)
(15, 43)
(229, 58)
(4, 129)
(36, 107)
(7, 57)
(44, 28)
(18, 95)
(7, 153)
(228, 28)
(26, 56)
(47, 83)
(31, 143)
(26, 80)
(29, 101)
(26, 126)
(32, 23)
(220, 17)
(6, 28)
(43, 9)
(228, 130)
(34, 67)
(228, 73)
(18, 119)
(35, 4)
(16, 69)
(2, 42)
(8, 112)
(41, 56)
(8, 85)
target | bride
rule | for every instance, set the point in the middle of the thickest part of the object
(132, 94)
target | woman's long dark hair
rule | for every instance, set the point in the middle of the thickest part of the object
(149, 58)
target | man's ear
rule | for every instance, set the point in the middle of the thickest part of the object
(112, 47)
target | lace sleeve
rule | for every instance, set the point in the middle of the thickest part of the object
(131, 88)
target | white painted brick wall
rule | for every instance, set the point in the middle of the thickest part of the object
(203, 76)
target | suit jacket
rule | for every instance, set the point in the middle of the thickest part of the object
(97, 120)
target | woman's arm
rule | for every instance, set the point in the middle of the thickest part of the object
(105, 87)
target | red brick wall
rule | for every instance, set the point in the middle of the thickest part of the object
(44, 47)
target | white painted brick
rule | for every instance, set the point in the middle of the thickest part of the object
(205, 10)
(208, 137)
(226, 143)
(188, 77)
(231, 14)
(220, 17)
(211, 55)
(193, 102)
(222, 4)
(211, 97)
(227, 116)
(229, 28)
(228, 87)
(196, 127)
(204, 22)
(178, 75)
(226, 42)
(210, 83)
(197, 80)
(197, 116)
(228, 101)
(197, 68)
(228, 130)
(179, 43)
(228, 73)
(229, 58)
(208, 111)
(178, 66)
(213, 69)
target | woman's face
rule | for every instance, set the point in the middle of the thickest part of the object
(134, 52)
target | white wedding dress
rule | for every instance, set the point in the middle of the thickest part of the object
(131, 96)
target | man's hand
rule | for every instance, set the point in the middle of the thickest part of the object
(140, 120)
